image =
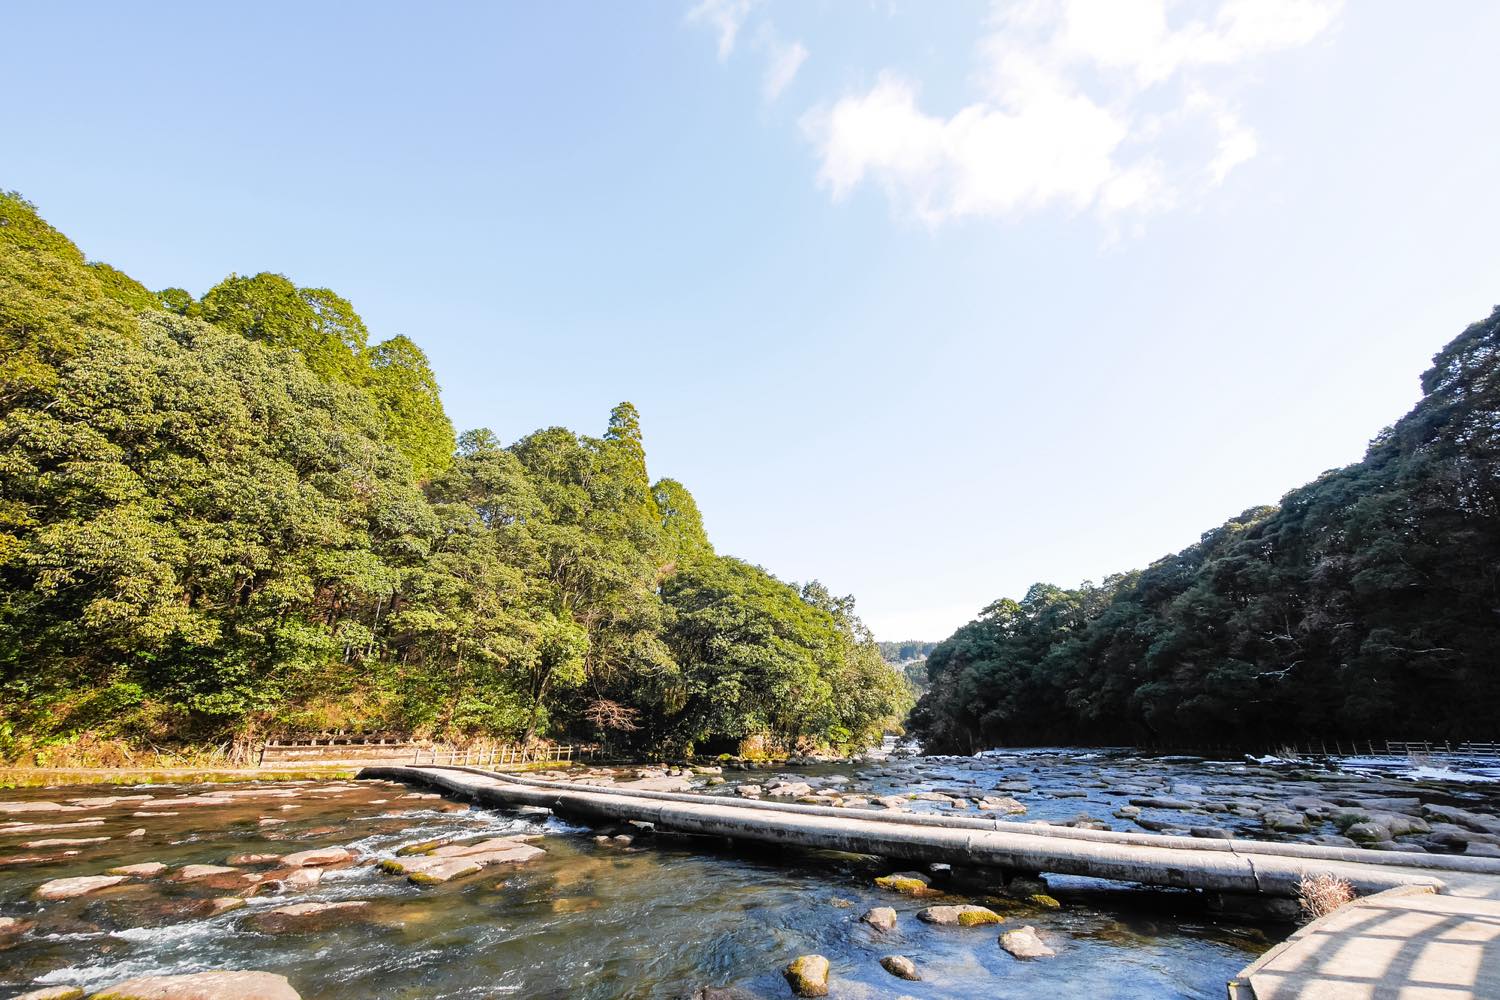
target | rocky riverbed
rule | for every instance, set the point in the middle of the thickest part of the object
(372, 889)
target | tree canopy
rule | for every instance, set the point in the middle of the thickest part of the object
(1364, 605)
(234, 515)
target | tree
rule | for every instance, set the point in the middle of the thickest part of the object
(404, 387)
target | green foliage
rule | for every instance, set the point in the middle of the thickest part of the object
(404, 387)
(233, 515)
(1364, 605)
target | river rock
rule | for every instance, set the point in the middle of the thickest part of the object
(495, 845)
(882, 918)
(1367, 833)
(202, 986)
(808, 976)
(1002, 804)
(68, 888)
(317, 857)
(965, 915)
(1023, 942)
(13, 927)
(252, 859)
(1285, 822)
(34, 845)
(36, 806)
(1163, 802)
(908, 883)
(789, 789)
(1478, 822)
(146, 869)
(900, 966)
(53, 993)
(749, 791)
(191, 873)
(430, 871)
(300, 918)
(294, 879)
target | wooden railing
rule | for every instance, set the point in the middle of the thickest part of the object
(1392, 748)
(504, 754)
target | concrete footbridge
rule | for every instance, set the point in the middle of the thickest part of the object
(1444, 907)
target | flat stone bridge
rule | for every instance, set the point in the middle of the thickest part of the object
(1429, 929)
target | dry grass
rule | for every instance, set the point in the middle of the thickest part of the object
(1319, 895)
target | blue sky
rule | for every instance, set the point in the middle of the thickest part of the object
(929, 301)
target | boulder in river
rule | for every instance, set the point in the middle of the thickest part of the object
(1367, 833)
(291, 879)
(789, 789)
(202, 986)
(1023, 942)
(53, 993)
(1163, 802)
(146, 869)
(252, 859)
(882, 918)
(808, 976)
(191, 873)
(68, 888)
(318, 857)
(301, 918)
(908, 883)
(900, 966)
(966, 915)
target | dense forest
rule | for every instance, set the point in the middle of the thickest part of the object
(1365, 605)
(910, 657)
(234, 515)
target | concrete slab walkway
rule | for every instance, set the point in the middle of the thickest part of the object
(1403, 944)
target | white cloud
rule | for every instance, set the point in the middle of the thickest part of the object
(1098, 105)
(726, 17)
(786, 58)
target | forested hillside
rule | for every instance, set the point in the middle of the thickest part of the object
(1365, 605)
(235, 515)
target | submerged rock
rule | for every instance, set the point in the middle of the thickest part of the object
(252, 859)
(191, 873)
(900, 966)
(202, 986)
(1023, 942)
(300, 918)
(808, 976)
(68, 888)
(882, 918)
(318, 857)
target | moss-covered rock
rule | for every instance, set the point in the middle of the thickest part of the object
(909, 883)
(966, 915)
(808, 976)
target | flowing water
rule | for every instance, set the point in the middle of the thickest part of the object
(664, 917)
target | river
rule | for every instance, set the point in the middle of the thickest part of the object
(661, 917)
